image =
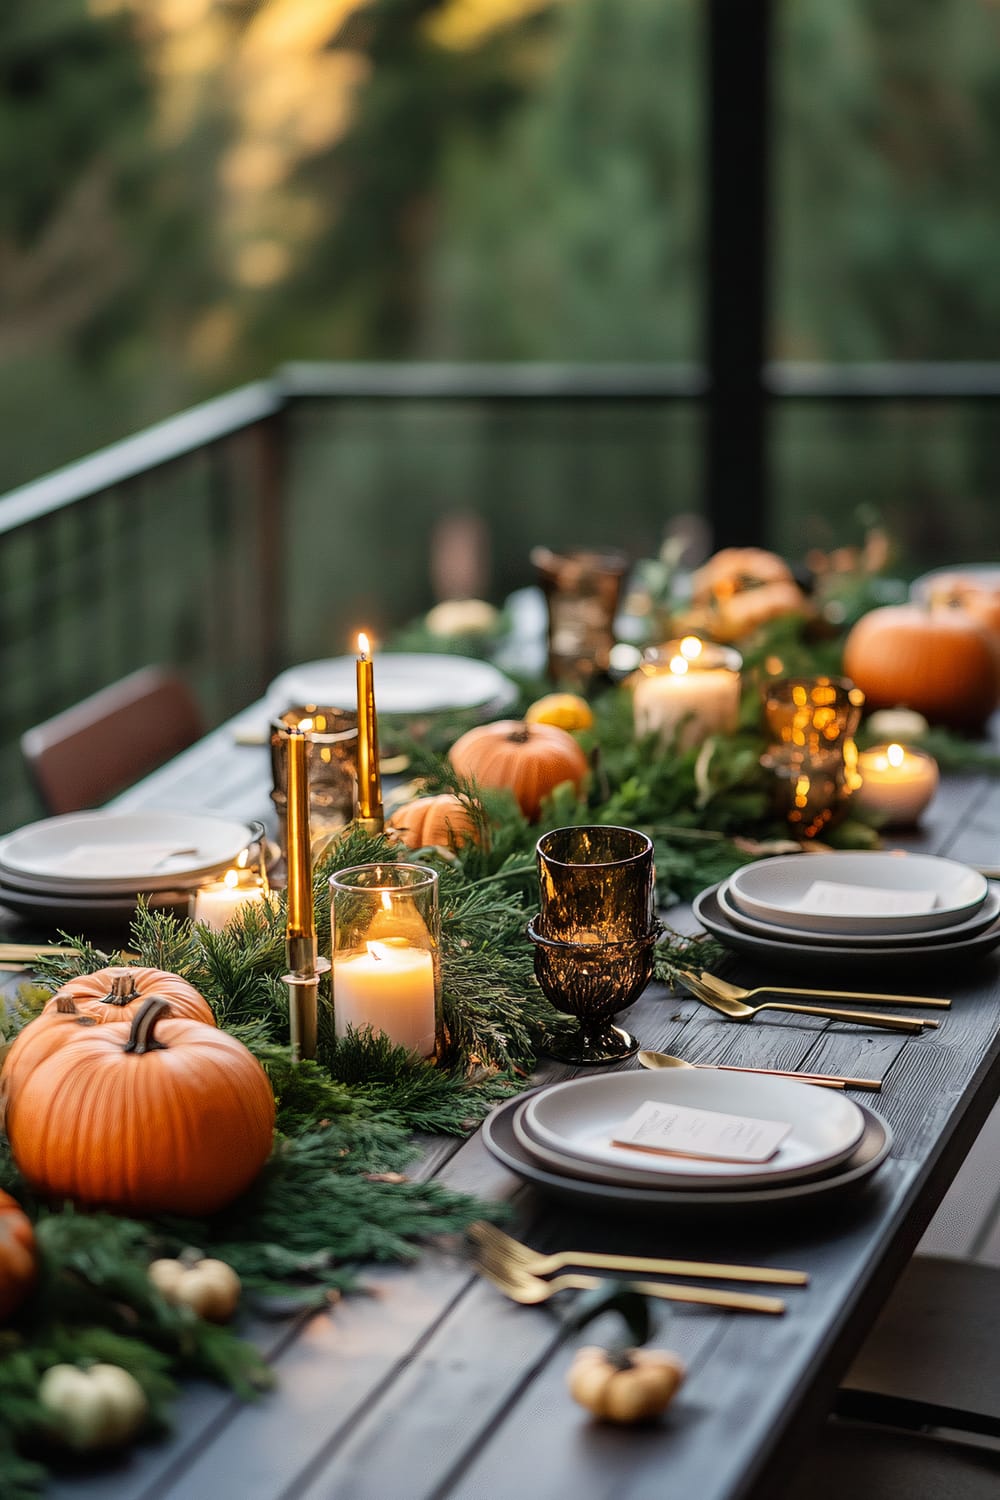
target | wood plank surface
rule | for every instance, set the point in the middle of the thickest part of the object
(437, 1388)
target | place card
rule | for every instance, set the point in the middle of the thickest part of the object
(677, 1130)
(830, 896)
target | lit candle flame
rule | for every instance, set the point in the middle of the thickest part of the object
(231, 878)
(242, 860)
(379, 951)
(364, 646)
(678, 665)
(895, 755)
(691, 648)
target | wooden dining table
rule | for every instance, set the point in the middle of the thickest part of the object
(434, 1386)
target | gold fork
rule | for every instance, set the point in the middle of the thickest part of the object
(737, 1011)
(736, 992)
(521, 1286)
(502, 1248)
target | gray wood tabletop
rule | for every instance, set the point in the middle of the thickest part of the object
(434, 1387)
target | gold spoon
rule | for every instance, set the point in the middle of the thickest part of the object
(655, 1060)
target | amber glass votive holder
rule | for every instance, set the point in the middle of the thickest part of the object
(814, 715)
(597, 884)
(581, 590)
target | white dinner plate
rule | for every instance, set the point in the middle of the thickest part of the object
(405, 683)
(871, 1151)
(801, 956)
(777, 890)
(978, 922)
(578, 1119)
(118, 854)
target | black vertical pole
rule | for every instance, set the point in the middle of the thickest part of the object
(738, 48)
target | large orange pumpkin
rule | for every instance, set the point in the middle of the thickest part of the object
(160, 1116)
(115, 994)
(442, 820)
(938, 661)
(18, 1256)
(741, 588)
(529, 759)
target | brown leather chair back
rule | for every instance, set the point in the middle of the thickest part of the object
(88, 753)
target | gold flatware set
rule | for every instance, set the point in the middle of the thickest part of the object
(730, 1000)
(521, 1274)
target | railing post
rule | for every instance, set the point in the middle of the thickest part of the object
(270, 464)
(736, 286)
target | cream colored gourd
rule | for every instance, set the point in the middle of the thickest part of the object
(101, 1407)
(209, 1287)
(626, 1388)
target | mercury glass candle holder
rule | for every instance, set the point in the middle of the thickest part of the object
(814, 762)
(581, 591)
(331, 764)
(386, 932)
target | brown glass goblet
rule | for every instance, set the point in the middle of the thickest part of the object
(597, 884)
(592, 981)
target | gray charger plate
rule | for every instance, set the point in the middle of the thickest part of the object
(818, 958)
(957, 932)
(502, 1143)
(96, 911)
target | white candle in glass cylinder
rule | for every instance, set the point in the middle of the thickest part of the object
(390, 987)
(216, 903)
(689, 688)
(896, 782)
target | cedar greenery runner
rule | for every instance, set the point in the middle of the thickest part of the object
(334, 1194)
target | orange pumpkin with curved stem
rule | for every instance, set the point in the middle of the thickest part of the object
(115, 994)
(531, 760)
(160, 1116)
(57, 1023)
(18, 1255)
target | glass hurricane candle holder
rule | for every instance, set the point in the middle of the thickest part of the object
(597, 884)
(331, 762)
(814, 715)
(581, 591)
(685, 690)
(385, 928)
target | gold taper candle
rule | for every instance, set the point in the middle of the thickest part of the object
(369, 779)
(301, 920)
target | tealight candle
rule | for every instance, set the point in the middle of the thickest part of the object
(218, 902)
(689, 688)
(896, 782)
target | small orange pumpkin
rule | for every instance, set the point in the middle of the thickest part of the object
(58, 1021)
(938, 661)
(443, 820)
(531, 760)
(741, 588)
(160, 1116)
(115, 994)
(18, 1255)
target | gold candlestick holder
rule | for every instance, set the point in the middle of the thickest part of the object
(306, 968)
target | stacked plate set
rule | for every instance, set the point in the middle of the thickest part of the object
(405, 683)
(95, 865)
(566, 1139)
(854, 911)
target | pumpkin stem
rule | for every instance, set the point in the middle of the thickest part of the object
(122, 987)
(141, 1038)
(65, 1005)
(520, 736)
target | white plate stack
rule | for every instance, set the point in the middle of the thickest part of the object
(854, 910)
(93, 866)
(565, 1139)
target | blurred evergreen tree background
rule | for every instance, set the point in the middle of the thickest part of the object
(197, 190)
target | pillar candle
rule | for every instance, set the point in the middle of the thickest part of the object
(897, 782)
(388, 986)
(217, 902)
(691, 688)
